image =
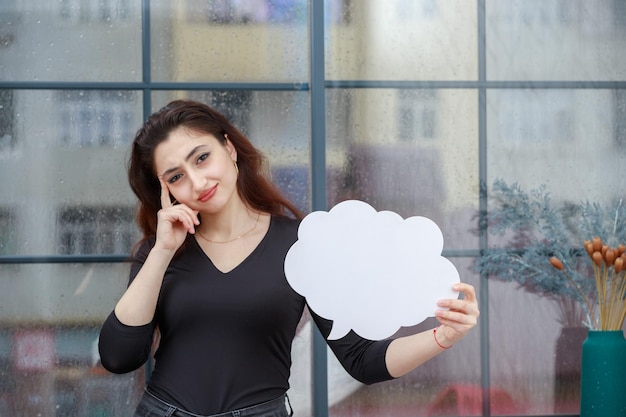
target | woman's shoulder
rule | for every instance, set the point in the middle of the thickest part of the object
(287, 222)
(285, 227)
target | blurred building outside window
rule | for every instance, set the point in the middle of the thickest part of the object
(417, 114)
(95, 230)
(95, 118)
(7, 231)
(7, 134)
(531, 116)
(95, 11)
(261, 11)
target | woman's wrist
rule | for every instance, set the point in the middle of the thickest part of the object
(440, 339)
(162, 253)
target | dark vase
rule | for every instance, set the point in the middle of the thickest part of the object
(568, 351)
(603, 374)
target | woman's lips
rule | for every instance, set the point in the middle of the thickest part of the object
(205, 196)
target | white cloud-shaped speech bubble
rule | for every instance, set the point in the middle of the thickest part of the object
(372, 272)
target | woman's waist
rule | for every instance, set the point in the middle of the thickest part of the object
(207, 396)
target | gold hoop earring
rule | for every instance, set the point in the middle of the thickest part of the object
(236, 167)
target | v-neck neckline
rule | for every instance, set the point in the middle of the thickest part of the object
(244, 260)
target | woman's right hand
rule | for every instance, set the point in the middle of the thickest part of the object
(174, 221)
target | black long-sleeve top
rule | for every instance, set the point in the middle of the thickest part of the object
(226, 337)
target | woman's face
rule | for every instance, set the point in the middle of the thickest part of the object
(198, 169)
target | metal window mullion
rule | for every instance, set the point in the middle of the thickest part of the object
(482, 204)
(62, 259)
(146, 66)
(146, 77)
(475, 84)
(148, 84)
(318, 181)
(303, 86)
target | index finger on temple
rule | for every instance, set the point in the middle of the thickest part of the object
(165, 194)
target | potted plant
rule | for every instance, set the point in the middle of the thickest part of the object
(543, 250)
(603, 374)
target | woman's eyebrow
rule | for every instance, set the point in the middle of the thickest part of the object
(193, 151)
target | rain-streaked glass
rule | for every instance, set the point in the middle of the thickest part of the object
(65, 153)
(401, 40)
(556, 40)
(51, 317)
(276, 122)
(414, 152)
(76, 294)
(69, 40)
(571, 141)
(230, 41)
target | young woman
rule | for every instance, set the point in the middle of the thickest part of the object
(208, 279)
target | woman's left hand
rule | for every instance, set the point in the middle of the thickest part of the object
(457, 317)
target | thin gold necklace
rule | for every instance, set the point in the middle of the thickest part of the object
(233, 239)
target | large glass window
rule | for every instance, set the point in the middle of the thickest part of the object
(426, 105)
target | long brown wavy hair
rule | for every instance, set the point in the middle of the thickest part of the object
(253, 183)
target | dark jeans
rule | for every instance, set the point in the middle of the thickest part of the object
(152, 406)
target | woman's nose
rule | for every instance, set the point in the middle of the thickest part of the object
(197, 180)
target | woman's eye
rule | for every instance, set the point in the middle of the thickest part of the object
(174, 178)
(203, 157)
